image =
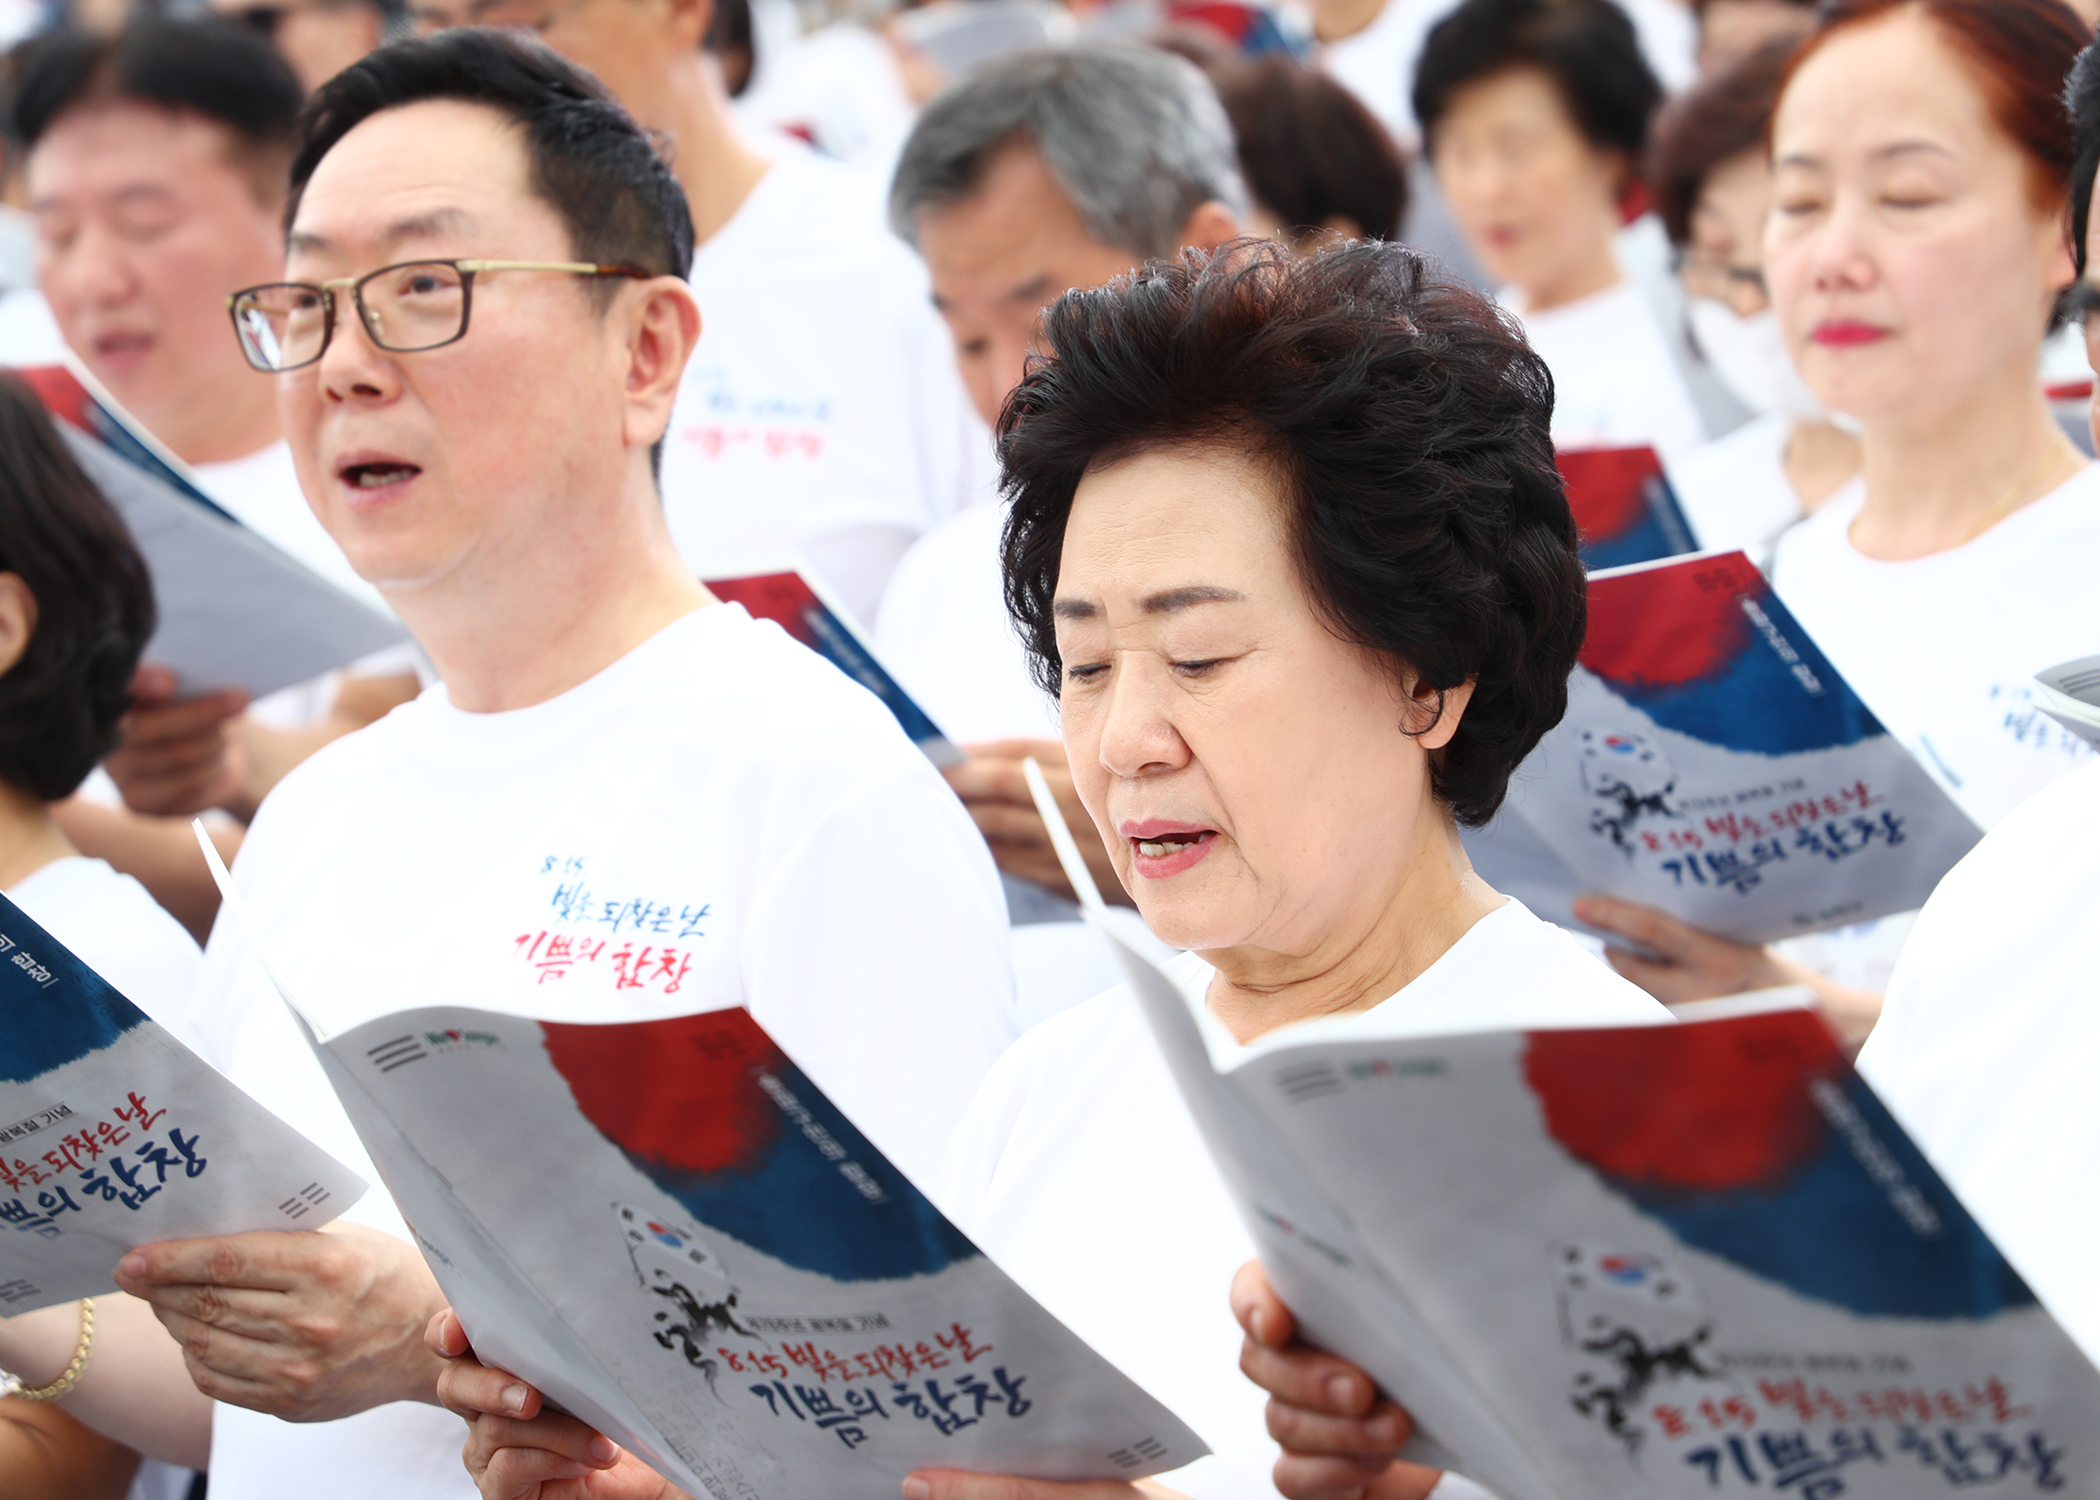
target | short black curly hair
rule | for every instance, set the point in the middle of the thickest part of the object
(60, 702)
(1408, 419)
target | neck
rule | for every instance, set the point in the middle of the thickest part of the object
(1596, 271)
(526, 627)
(1337, 20)
(713, 162)
(29, 837)
(1934, 483)
(1435, 901)
(221, 430)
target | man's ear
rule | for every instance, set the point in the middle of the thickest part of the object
(17, 620)
(691, 20)
(662, 329)
(1210, 226)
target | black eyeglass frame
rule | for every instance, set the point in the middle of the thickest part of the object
(355, 285)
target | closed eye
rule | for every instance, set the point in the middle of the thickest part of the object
(1198, 668)
(1083, 673)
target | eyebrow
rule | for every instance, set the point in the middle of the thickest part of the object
(1164, 603)
(416, 227)
(1878, 154)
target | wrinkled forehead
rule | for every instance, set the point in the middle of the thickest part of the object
(439, 177)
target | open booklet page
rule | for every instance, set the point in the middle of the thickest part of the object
(670, 1230)
(2071, 695)
(235, 611)
(1625, 510)
(1677, 1260)
(115, 1135)
(794, 603)
(1714, 764)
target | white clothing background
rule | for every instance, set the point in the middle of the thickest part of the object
(821, 411)
(1734, 490)
(1079, 1170)
(1615, 384)
(1944, 648)
(1990, 1037)
(719, 818)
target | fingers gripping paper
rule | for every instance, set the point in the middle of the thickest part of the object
(115, 1135)
(669, 1229)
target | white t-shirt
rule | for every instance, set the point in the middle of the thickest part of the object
(1944, 648)
(1614, 383)
(945, 633)
(718, 818)
(114, 927)
(1735, 491)
(821, 410)
(1079, 1170)
(1989, 1041)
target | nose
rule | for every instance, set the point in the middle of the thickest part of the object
(352, 367)
(94, 269)
(1841, 250)
(1138, 737)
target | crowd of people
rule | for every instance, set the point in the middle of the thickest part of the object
(1171, 393)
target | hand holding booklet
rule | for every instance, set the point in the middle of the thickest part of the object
(1715, 765)
(1656, 1262)
(666, 1227)
(115, 1135)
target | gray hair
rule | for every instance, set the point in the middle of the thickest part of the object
(1135, 136)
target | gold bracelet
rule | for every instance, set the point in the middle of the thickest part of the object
(77, 1368)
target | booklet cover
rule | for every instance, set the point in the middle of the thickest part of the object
(114, 1135)
(235, 611)
(2071, 695)
(791, 601)
(1624, 506)
(666, 1227)
(1645, 1263)
(1715, 765)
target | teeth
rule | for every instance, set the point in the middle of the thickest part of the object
(1160, 848)
(372, 477)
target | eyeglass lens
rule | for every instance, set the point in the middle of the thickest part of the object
(405, 308)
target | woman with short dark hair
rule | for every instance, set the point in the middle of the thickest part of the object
(1288, 545)
(1535, 114)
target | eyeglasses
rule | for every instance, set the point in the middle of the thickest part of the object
(417, 305)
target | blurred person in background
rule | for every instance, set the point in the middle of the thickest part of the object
(155, 163)
(76, 609)
(1536, 115)
(319, 38)
(1915, 253)
(1036, 174)
(1733, 29)
(780, 444)
(1711, 174)
(1317, 163)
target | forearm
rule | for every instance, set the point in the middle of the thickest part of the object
(159, 853)
(135, 1389)
(47, 1455)
(1851, 1013)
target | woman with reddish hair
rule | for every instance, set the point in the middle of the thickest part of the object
(1916, 253)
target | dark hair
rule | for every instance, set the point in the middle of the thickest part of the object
(2082, 96)
(219, 70)
(2018, 52)
(590, 161)
(59, 704)
(1586, 47)
(1719, 118)
(1408, 421)
(1308, 148)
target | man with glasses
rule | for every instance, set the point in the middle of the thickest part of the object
(624, 800)
(781, 441)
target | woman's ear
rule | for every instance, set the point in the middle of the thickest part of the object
(1433, 713)
(17, 620)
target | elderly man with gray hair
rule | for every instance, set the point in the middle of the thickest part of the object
(1040, 172)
